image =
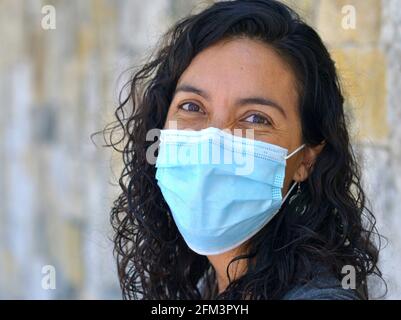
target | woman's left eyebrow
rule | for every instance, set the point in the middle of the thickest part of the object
(239, 102)
(261, 101)
(191, 89)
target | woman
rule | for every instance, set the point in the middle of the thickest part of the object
(251, 66)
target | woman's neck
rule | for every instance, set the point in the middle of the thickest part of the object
(220, 263)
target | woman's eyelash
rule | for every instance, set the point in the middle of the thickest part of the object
(196, 109)
(193, 107)
(263, 120)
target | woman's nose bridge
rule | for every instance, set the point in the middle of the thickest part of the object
(221, 119)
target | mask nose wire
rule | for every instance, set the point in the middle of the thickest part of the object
(294, 152)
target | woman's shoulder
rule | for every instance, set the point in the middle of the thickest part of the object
(321, 287)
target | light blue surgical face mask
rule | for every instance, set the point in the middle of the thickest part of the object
(217, 204)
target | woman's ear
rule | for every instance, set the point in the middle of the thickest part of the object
(308, 160)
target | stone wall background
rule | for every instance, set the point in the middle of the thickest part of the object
(59, 86)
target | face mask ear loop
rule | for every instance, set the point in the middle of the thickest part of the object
(289, 192)
(294, 184)
(294, 152)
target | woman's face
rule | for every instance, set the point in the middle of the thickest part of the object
(241, 84)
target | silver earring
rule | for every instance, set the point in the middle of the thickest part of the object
(303, 210)
(297, 194)
(305, 207)
(298, 210)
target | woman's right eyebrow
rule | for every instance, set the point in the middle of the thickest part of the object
(191, 89)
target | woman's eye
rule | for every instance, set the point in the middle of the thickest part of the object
(258, 119)
(190, 107)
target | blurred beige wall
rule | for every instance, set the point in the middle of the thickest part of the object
(59, 86)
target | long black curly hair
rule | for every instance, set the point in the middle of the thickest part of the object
(336, 227)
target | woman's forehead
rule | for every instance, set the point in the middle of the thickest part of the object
(241, 67)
